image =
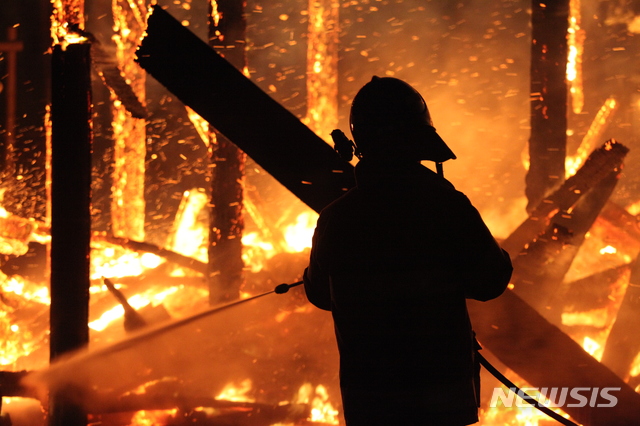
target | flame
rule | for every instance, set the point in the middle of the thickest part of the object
(298, 236)
(201, 125)
(137, 301)
(152, 418)
(128, 206)
(575, 42)
(608, 250)
(113, 261)
(237, 392)
(18, 339)
(322, 410)
(322, 67)
(593, 136)
(190, 236)
(67, 13)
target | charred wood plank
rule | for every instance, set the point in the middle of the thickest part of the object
(132, 319)
(235, 106)
(548, 141)
(540, 269)
(599, 165)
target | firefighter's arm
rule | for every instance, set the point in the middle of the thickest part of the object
(316, 280)
(488, 267)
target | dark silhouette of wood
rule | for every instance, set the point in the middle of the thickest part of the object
(227, 28)
(70, 214)
(272, 136)
(548, 141)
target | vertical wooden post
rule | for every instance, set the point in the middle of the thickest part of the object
(547, 144)
(11, 48)
(70, 214)
(227, 27)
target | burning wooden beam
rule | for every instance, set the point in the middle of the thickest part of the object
(541, 267)
(547, 144)
(236, 107)
(599, 164)
(227, 28)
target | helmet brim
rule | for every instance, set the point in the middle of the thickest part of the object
(434, 148)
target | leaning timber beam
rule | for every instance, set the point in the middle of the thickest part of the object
(597, 167)
(512, 330)
(241, 111)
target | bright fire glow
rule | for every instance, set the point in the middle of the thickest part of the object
(66, 13)
(575, 42)
(190, 235)
(322, 410)
(137, 301)
(117, 262)
(595, 318)
(592, 137)
(152, 418)
(298, 236)
(129, 134)
(237, 392)
(322, 64)
(608, 250)
(590, 346)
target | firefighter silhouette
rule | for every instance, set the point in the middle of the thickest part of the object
(394, 260)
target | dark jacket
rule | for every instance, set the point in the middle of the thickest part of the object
(393, 260)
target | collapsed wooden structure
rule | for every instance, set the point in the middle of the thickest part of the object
(526, 342)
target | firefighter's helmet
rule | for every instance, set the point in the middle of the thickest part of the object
(389, 117)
